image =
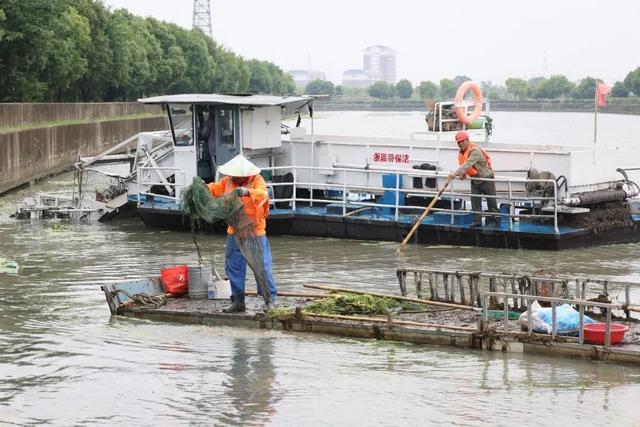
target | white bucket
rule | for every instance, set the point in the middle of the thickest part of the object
(200, 279)
(204, 284)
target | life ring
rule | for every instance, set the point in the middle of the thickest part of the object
(477, 103)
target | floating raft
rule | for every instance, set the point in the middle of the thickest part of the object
(462, 328)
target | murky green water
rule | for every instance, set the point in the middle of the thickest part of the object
(65, 361)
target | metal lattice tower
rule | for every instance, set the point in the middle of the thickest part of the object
(202, 16)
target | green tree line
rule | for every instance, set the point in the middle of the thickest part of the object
(80, 50)
(554, 87)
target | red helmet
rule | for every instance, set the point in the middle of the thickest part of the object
(462, 135)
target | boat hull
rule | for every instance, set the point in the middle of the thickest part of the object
(520, 236)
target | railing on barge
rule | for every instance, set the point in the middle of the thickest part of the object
(455, 285)
(518, 293)
(510, 195)
(581, 304)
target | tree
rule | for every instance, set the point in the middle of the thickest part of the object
(404, 88)
(517, 87)
(427, 90)
(619, 90)
(260, 80)
(28, 34)
(458, 80)
(554, 87)
(338, 90)
(3, 17)
(586, 89)
(381, 90)
(448, 88)
(66, 50)
(319, 87)
(632, 81)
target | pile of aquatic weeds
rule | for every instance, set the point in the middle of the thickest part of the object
(280, 313)
(350, 304)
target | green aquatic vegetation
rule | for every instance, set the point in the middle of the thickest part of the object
(60, 227)
(280, 313)
(348, 304)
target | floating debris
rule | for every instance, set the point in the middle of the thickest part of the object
(57, 226)
(8, 266)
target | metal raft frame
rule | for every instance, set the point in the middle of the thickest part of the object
(518, 292)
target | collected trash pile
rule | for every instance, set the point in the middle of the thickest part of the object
(567, 319)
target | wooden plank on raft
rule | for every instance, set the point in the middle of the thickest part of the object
(394, 322)
(292, 294)
(399, 298)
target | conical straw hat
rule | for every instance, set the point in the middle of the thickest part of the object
(239, 166)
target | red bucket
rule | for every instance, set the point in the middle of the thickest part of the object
(594, 333)
(175, 280)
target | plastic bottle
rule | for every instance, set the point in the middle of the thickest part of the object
(211, 289)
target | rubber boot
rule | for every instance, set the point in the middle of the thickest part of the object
(237, 306)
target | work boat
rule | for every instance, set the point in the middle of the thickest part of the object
(550, 197)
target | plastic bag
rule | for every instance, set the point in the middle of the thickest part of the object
(567, 319)
(175, 280)
(538, 325)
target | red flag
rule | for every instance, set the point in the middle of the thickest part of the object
(602, 90)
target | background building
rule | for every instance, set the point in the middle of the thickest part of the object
(302, 77)
(380, 63)
(356, 78)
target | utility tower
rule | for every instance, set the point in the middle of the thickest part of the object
(202, 16)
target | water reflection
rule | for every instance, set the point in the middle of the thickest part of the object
(250, 383)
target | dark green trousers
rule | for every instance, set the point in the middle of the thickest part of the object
(479, 188)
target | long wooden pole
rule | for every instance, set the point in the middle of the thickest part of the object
(394, 321)
(424, 214)
(396, 297)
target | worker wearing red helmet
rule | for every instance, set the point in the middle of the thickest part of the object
(475, 163)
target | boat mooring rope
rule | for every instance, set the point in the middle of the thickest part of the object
(143, 299)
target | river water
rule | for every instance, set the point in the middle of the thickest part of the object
(65, 361)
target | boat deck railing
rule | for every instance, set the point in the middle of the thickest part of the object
(514, 194)
(145, 181)
(465, 287)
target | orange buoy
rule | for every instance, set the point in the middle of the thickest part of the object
(477, 103)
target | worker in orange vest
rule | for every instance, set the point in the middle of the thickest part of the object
(475, 163)
(244, 178)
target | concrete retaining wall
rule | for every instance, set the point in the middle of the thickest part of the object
(19, 114)
(35, 153)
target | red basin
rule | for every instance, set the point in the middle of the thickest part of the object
(594, 333)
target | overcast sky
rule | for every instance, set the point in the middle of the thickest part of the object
(433, 39)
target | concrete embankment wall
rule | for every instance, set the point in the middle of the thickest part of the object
(35, 153)
(21, 114)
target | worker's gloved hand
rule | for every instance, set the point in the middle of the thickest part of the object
(242, 191)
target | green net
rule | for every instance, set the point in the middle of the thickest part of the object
(199, 204)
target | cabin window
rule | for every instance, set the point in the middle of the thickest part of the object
(227, 126)
(181, 124)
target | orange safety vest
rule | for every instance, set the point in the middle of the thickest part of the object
(462, 157)
(256, 204)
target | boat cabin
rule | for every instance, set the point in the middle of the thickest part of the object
(209, 129)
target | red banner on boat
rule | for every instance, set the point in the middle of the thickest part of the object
(382, 157)
(602, 90)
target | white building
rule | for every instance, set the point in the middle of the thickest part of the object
(356, 78)
(380, 63)
(303, 77)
